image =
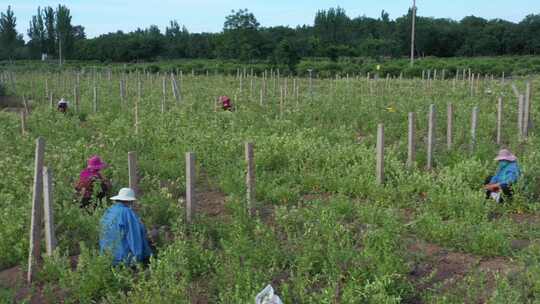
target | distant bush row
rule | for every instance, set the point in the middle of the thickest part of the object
(321, 67)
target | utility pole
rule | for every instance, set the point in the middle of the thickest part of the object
(60, 49)
(413, 31)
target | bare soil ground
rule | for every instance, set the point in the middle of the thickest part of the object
(436, 268)
(11, 104)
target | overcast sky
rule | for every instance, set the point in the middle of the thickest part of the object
(104, 16)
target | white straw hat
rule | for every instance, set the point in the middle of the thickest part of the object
(125, 195)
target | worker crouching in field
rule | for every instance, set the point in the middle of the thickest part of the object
(123, 235)
(88, 179)
(62, 106)
(499, 186)
(226, 103)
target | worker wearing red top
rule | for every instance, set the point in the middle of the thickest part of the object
(226, 103)
(88, 178)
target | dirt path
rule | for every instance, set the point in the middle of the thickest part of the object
(435, 268)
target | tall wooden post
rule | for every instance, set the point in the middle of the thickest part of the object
(499, 120)
(431, 137)
(122, 91)
(413, 30)
(250, 176)
(34, 252)
(449, 126)
(526, 110)
(521, 104)
(190, 185)
(164, 91)
(23, 123)
(95, 100)
(380, 154)
(281, 102)
(50, 236)
(474, 125)
(132, 171)
(528, 96)
(411, 155)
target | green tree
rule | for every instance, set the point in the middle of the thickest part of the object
(285, 53)
(49, 18)
(177, 39)
(8, 33)
(64, 31)
(530, 29)
(241, 37)
(36, 33)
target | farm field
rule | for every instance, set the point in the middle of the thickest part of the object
(323, 230)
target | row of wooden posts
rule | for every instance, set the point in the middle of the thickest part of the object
(463, 74)
(6, 77)
(43, 206)
(524, 123)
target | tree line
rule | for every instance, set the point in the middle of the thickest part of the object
(333, 35)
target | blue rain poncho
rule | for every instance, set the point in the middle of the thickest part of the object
(123, 235)
(507, 173)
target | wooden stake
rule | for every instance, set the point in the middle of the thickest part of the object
(164, 91)
(521, 104)
(23, 123)
(190, 185)
(174, 88)
(250, 176)
(95, 100)
(474, 124)
(34, 252)
(50, 236)
(380, 154)
(411, 158)
(281, 102)
(431, 137)
(449, 126)
(122, 91)
(132, 171)
(527, 110)
(499, 120)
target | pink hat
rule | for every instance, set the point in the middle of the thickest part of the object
(96, 163)
(224, 98)
(505, 154)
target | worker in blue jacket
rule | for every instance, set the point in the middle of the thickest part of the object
(507, 175)
(123, 235)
